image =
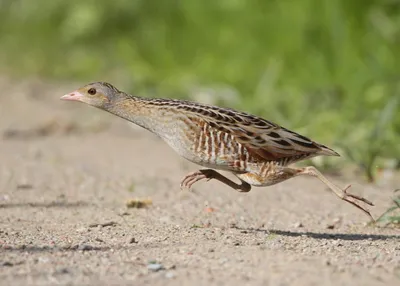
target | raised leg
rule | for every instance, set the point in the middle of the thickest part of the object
(342, 194)
(209, 174)
(277, 174)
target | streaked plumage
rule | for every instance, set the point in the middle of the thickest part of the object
(257, 151)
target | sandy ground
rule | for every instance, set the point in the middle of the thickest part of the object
(66, 178)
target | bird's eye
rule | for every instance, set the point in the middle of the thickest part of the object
(92, 91)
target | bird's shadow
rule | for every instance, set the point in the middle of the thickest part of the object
(55, 204)
(316, 235)
(52, 249)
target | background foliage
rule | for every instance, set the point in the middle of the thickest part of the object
(327, 68)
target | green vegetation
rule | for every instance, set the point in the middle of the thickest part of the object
(327, 68)
(391, 217)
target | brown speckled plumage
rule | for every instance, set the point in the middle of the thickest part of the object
(257, 151)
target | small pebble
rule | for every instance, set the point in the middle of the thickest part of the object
(42, 259)
(24, 187)
(298, 225)
(337, 220)
(5, 198)
(8, 263)
(132, 240)
(82, 229)
(63, 270)
(337, 243)
(155, 267)
(169, 275)
(85, 247)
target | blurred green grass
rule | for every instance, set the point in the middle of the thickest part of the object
(391, 217)
(328, 69)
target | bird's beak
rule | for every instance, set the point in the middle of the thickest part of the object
(75, 96)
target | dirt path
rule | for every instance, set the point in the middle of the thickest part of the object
(63, 219)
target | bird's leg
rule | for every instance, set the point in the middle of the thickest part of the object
(209, 174)
(342, 194)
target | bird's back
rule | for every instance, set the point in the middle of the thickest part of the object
(223, 138)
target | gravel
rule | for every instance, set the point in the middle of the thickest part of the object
(64, 220)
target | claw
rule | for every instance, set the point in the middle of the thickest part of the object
(358, 206)
(192, 178)
(356, 197)
(347, 195)
(209, 174)
(346, 188)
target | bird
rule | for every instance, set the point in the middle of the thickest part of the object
(257, 151)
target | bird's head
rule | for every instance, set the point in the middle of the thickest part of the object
(98, 94)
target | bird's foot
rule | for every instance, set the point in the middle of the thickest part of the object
(354, 200)
(341, 193)
(188, 181)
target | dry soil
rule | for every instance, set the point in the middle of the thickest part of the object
(67, 171)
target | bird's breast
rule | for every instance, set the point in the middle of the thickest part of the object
(202, 144)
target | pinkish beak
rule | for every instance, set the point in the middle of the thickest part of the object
(75, 96)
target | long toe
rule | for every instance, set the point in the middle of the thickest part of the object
(350, 200)
(191, 178)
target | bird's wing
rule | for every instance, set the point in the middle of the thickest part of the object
(265, 139)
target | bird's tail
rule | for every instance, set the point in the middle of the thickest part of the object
(326, 151)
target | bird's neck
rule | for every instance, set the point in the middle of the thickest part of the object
(137, 110)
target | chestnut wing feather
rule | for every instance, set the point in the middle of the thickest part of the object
(268, 141)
